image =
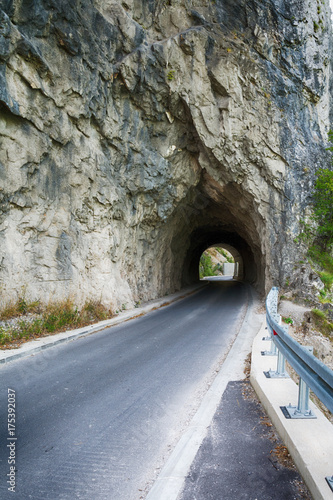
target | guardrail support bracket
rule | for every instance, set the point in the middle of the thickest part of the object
(280, 370)
(275, 374)
(293, 412)
(329, 480)
(272, 352)
(302, 410)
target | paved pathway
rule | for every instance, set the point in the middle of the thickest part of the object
(242, 456)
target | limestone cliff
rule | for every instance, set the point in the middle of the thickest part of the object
(136, 134)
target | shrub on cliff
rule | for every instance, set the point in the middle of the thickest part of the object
(323, 202)
(323, 206)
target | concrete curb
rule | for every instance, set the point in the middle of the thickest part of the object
(43, 343)
(310, 442)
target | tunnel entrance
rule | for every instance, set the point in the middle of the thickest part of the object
(218, 213)
(204, 238)
(218, 261)
(223, 218)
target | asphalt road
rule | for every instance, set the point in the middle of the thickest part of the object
(242, 456)
(96, 418)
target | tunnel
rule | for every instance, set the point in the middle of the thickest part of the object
(206, 237)
(237, 265)
(224, 217)
(221, 259)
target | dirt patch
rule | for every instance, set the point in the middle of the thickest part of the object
(303, 329)
(247, 366)
(280, 456)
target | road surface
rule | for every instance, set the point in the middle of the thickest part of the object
(97, 417)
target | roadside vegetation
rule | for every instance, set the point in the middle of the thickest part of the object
(228, 257)
(322, 263)
(26, 320)
(317, 229)
(316, 239)
(322, 323)
(206, 267)
(320, 251)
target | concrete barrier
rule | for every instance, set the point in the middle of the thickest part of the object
(228, 269)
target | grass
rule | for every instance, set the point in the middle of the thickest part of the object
(18, 308)
(322, 323)
(327, 279)
(323, 261)
(47, 319)
(322, 258)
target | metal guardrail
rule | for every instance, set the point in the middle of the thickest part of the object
(313, 374)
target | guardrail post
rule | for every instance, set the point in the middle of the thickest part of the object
(302, 409)
(281, 365)
(329, 480)
(280, 371)
(303, 398)
(272, 352)
(269, 336)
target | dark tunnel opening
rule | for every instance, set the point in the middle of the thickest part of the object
(224, 215)
(205, 237)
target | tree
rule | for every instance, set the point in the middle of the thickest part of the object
(206, 266)
(323, 201)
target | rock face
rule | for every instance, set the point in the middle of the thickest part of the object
(134, 135)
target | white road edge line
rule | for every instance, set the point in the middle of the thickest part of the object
(169, 483)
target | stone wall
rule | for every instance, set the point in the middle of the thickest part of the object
(136, 134)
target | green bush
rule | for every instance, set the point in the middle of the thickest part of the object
(206, 266)
(318, 313)
(327, 279)
(323, 201)
(322, 258)
(322, 323)
(323, 205)
(324, 261)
